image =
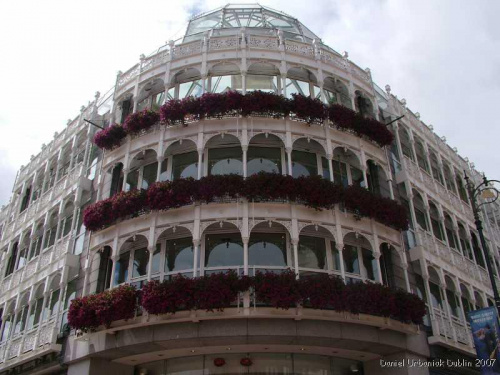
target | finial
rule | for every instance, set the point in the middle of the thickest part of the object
(119, 73)
(346, 55)
(97, 95)
(142, 56)
(68, 122)
(431, 127)
(417, 115)
(403, 102)
(455, 149)
(443, 138)
(388, 89)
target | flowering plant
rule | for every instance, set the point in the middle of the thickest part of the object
(312, 191)
(247, 362)
(255, 103)
(218, 291)
(279, 290)
(110, 137)
(219, 362)
(87, 313)
(136, 122)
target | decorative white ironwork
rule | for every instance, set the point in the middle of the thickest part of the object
(223, 43)
(29, 341)
(187, 49)
(299, 48)
(263, 42)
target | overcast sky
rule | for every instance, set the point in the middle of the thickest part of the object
(442, 56)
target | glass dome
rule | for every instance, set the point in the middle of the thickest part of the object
(254, 16)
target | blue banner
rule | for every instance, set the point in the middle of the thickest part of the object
(486, 334)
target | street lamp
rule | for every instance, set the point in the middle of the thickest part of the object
(488, 192)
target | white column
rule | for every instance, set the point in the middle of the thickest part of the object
(289, 160)
(295, 245)
(151, 250)
(196, 250)
(200, 163)
(245, 150)
(245, 255)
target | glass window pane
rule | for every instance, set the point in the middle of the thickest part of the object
(351, 261)
(185, 165)
(67, 225)
(304, 164)
(226, 83)
(223, 250)
(179, 255)
(336, 256)
(121, 268)
(261, 83)
(140, 264)
(340, 173)
(325, 167)
(163, 171)
(294, 86)
(54, 302)
(158, 101)
(267, 249)
(70, 293)
(155, 267)
(190, 89)
(312, 252)
(6, 329)
(132, 180)
(38, 311)
(370, 264)
(435, 295)
(225, 161)
(149, 175)
(263, 159)
(357, 176)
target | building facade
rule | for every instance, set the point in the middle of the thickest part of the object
(49, 257)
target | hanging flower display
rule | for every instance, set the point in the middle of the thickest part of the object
(219, 362)
(220, 290)
(255, 103)
(247, 362)
(312, 191)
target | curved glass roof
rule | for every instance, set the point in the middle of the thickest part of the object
(246, 15)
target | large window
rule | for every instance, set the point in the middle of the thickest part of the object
(185, 165)
(261, 83)
(226, 83)
(140, 263)
(223, 250)
(263, 159)
(179, 255)
(267, 249)
(225, 161)
(351, 260)
(121, 268)
(312, 253)
(304, 164)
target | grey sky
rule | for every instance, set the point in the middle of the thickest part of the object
(442, 56)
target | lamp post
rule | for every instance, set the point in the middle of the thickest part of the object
(486, 191)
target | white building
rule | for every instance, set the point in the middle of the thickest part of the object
(49, 258)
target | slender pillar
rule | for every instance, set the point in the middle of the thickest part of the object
(245, 255)
(196, 250)
(295, 245)
(245, 150)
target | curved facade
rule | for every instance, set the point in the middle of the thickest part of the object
(49, 258)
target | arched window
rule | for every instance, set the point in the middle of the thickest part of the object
(51, 232)
(174, 254)
(267, 251)
(448, 177)
(105, 269)
(225, 77)
(132, 264)
(464, 241)
(181, 161)
(224, 155)
(303, 82)
(21, 316)
(11, 264)
(436, 171)
(143, 170)
(404, 137)
(336, 92)
(263, 77)
(461, 188)
(265, 154)
(364, 105)
(420, 211)
(453, 300)
(307, 158)
(8, 322)
(116, 179)
(437, 227)
(223, 251)
(151, 95)
(434, 286)
(359, 259)
(421, 157)
(67, 220)
(36, 241)
(450, 232)
(478, 254)
(36, 308)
